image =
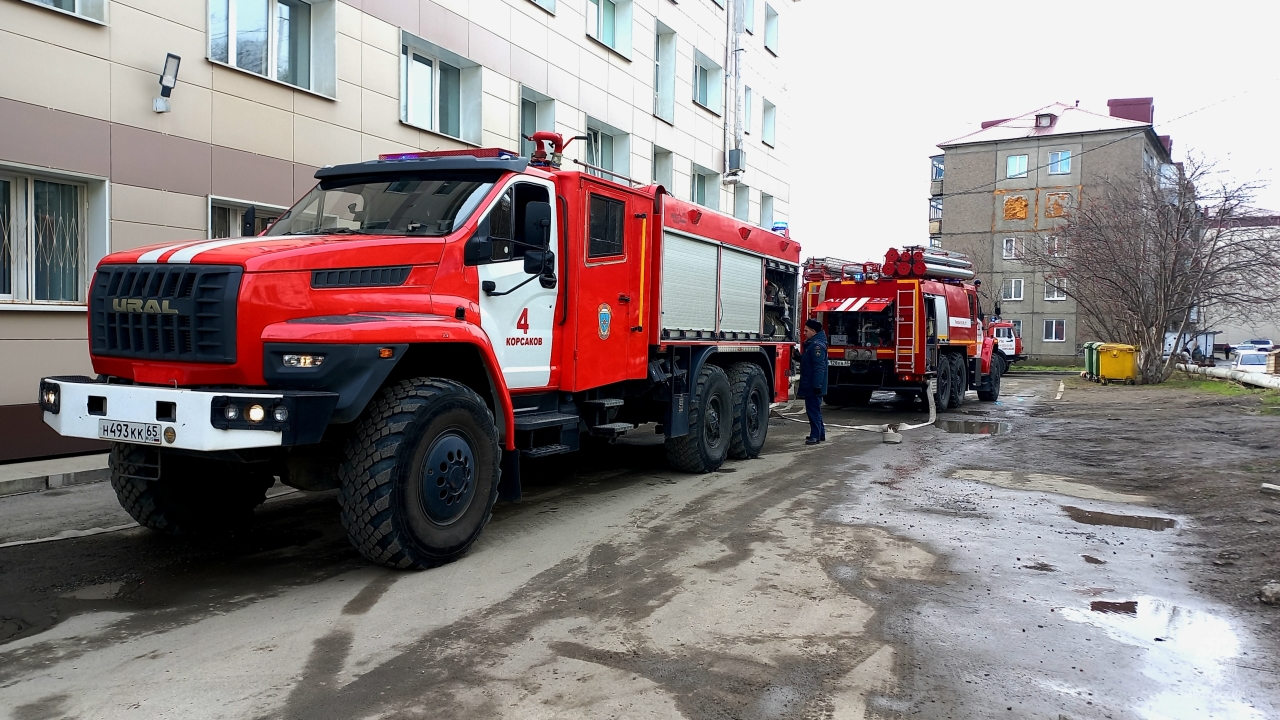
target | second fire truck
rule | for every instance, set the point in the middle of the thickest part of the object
(898, 324)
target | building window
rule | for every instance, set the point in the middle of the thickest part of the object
(1060, 162)
(749, 16)
(1015, 166)
(230, 218)
(741, 201)
(44, 254)
(936, 168)
(607, 149)
(92, 9)
(609, 23)
(607, 216)
(1012, 249)
(1055, 330)
(537, 112)
(439, 91)
(664, 73)
(769, 124)
(747, 113)
(935, 208)
(708, 83)
(766, 210)
(548, 5)
(935, 241)
(1017, 327)
(1055, 247)
(663, 167)
(276, 39)
(770, 29)
(1055, 289)
(1012, 289)
(705, 187)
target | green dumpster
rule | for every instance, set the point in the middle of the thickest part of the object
(1091, 360)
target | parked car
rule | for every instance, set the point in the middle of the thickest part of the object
(1250, 362)
(1256, 345)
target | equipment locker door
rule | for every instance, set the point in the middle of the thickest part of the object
(608, 300)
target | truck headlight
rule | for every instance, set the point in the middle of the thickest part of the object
(50, 397)
(303, 361)
(255, 413)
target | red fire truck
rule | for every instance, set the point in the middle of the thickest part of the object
(416, 325)
(898, 324)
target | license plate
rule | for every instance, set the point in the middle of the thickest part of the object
(838, 363)
(131, 432)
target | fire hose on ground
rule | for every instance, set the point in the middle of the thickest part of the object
(892, 432)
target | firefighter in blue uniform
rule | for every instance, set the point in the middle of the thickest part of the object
(813, 379)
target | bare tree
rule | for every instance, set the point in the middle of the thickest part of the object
(1160, 253)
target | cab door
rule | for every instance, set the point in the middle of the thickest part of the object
(610, 346)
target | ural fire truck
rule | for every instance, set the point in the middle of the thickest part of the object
(412, 328)
(898, 324)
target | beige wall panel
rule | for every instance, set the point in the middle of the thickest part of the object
(460, 7)
(563, 87)
(244, 125)
(157, 207)
(620, 113)
(622, 85)
(304, 178)
(186, 12)
(530, 31)
(163, 162)
(445, 27)
(132, 92)
(594, 101)
(42, 325)
(320, 143)
(529, 69)
(497, 116)
(494, 16)
(380, 116)
(380, 71)
(344, 112)
(128, 235)
(371, 145)
(54, 77)
(48, 138)
(257, 178)
(564, 54)
(500, 86)
(141, 40)
(490, 50)
(348, 51)
(48, 26)
(252, 87)
(594, 68)
(380, 26)
(26, 361)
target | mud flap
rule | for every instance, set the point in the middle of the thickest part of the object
(509, 482)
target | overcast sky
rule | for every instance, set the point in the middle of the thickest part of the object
(876, 86)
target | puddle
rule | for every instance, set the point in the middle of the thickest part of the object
(1044, 483)
(1142, 522)
(974, 427)
(1129, 607)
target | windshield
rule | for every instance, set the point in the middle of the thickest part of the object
(428, 206)
(1253, 359)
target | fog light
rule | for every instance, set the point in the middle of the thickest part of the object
(231, 413)
(281, 413)
(303, 361)
(50, 397)
(255, 413)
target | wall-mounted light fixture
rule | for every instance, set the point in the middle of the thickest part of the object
(168, 80)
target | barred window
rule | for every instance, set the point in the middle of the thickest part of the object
(42, 240)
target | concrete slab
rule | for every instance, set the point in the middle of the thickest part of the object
(57, 473)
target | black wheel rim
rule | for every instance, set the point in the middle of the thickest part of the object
(448, 478)
(755, 410)
(712, 425)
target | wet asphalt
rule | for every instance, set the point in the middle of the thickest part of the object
(854, 579)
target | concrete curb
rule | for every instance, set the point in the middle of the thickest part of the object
(39, 475)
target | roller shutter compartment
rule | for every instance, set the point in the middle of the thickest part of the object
(741, 291)
(688, 283)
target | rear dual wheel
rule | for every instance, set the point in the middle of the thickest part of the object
(706, 445)
(750, 391)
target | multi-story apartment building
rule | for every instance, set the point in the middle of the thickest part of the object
(95, 158)
(1013, 181)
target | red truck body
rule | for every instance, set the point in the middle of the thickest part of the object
(898, 325)
(562, 304)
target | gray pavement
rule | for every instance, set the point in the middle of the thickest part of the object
(929, 579)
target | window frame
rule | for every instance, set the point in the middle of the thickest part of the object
(749, 16)
(710, 187)
(470, 129)
(621, 256)
(1055, 246)
(662, 172)
(218, 201)
(1010, 284)
(544, 3)
(1017, 328)
(22, 242)
(937, 168)
(713, 102)
(748, 112)
(94, 11)
(621, 29)
(768, 123)
(1058, 286)
(665, 59)
(273, 50)
(1016, 253)
(409, 55)
(1056, 323)
(935, 208)
(742, 202)
(1061, 166)
(772, 29)
(1008, 167)
(767, 201)
(619, 156)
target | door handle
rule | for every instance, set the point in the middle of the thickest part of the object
(624, 298)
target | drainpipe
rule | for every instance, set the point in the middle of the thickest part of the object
(735, 22)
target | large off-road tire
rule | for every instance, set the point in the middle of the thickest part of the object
(942, 396)
(706, 445)
(992, 393)
(751, 398)
(185, 494)
(420, 474)
(959, 379)
(847, 396)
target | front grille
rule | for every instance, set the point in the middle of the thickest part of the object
(165, 312)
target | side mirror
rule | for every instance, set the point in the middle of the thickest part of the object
(537, 224)
(539, 262)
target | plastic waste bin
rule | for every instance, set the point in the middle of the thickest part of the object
(1117, 364)
(1091, 360)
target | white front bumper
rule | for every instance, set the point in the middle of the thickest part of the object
(135, 403)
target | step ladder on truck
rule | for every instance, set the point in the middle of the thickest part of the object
(413, 328)
(897, 325)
